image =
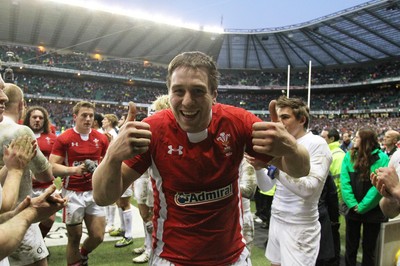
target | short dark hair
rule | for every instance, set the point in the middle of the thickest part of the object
(332, 132)
(195, 60)
(98, 117)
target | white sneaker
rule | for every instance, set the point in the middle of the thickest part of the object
(138, 251)
(258, 220)
(109, 228)
(142, 258)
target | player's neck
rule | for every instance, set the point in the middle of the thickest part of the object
(82, 131)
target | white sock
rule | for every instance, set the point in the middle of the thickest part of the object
(147, 238)
(121, 217)
(110, 211)
(127, 214)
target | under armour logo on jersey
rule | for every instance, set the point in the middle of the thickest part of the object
(74, 144)
(179, 150)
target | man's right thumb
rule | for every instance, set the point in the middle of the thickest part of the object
(131, 112)
(272, 111)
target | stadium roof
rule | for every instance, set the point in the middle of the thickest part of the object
(364, 33)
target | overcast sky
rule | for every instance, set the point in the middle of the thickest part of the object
(239, 14)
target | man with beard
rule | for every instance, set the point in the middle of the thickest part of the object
(37, 118)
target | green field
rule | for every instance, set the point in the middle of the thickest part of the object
(107, 254)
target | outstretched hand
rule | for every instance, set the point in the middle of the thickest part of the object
(42, 206)
(386, 181)
(256, 163)
(19, 152)
(133, 137)
(272, 138)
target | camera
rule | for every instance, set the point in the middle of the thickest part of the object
(8, 75)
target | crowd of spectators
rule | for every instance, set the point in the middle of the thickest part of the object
(58, 94)
(379, 123)
(86, 89)
(322, 99)
(151, 71)
(60, 110)
(328, 100)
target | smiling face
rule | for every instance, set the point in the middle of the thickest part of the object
(191, 98)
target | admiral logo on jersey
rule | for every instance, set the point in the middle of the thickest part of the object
(224, 139)
(203, 197)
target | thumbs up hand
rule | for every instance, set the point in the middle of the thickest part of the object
(133, 137)
(132, 111)
(272, 138)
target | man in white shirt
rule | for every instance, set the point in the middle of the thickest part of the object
(294, 232)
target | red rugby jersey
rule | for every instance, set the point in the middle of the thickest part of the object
(197, 207)
(75, 150)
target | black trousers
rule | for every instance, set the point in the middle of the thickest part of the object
(263, 205)
(370, 235)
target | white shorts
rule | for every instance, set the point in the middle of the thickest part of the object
(293, 244)
(244, 260)
(31, 249)
(144, 191)
(79, 204)
(4, 262)
(128, 193)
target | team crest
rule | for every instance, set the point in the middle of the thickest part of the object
(96, 142)
(224, 139)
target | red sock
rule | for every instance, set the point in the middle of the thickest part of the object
(84, 252)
